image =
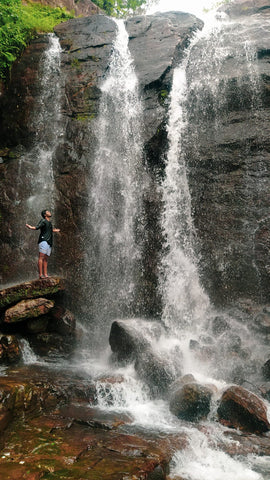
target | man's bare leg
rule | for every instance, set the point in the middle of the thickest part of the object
(45, 265)
(41, 267)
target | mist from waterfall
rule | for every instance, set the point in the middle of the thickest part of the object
(184, 300)
(36, 165)
(116, 188)
(47, 131)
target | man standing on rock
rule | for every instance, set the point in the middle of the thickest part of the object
(45, 241)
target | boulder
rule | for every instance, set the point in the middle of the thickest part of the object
(191, 402)
(242, 409)
(9, 350)
(28, 309)
(128, 338)
(63, 321)
(31, 289)
(266, 370)
(155, 371)
(131, 340)
(37, 325)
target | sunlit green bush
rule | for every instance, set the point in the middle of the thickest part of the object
(19, 23)
(120, 8)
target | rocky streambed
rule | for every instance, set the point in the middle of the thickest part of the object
(51, 427)
(60, 420)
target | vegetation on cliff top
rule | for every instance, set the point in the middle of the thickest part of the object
(120, 8)
(20, 23)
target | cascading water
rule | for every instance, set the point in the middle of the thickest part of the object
(37, 163)
(47, 128)
(186, 306)
(184, 301)
(200, 85)
(116, 189)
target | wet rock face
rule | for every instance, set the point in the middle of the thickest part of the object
(242, 409)
(228, 160)
(246, 7)
(191, 402)
(157, 43)
(131, 340)
(86, 47)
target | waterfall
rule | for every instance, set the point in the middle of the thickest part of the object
(183, 297)
(200, 92)
(116, 187)
(47, 130)
(37, 163)
(199, 87)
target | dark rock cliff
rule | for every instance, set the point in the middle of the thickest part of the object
(86, 47)
(228, 158)
(228, 170)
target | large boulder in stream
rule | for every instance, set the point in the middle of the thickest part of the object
(242, 409)
(155, 371)
(191, 402)
(128, 338)
(132, 341)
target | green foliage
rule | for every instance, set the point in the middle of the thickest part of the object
(120, 8)
(217, 4)
(19, 23)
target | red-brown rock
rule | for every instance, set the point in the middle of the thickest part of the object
(9, 349)
(31, 289)
(242, 409)
(28, 309)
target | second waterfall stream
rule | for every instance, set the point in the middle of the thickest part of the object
(115, 198)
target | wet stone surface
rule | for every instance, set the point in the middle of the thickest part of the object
(58, 446)
(53, 429)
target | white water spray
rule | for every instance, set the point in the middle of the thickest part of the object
(28, 356)
(116, 189)
(184, 301)
(48, 129)
(202, 461)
